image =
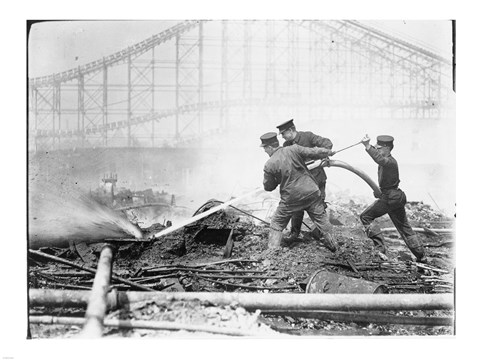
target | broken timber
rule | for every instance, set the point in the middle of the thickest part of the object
(171, 270)
(229, 246)
(86, 268)
(248, 286)
(199, 265)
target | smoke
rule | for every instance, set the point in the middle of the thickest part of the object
(227, 165)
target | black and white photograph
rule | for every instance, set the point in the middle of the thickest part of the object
(286, 172)
(237, 179)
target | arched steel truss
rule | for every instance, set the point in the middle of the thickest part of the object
(201, 77)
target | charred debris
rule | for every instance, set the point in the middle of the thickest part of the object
(226, 252)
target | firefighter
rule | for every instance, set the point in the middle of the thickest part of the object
(306, 139)
(391, 201)
(298, 189)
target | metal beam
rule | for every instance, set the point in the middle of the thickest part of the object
(224, 77)
(105, 105)
(345, 62)
(129, 100)
(200, 77)
(81, 108)
(152, 110)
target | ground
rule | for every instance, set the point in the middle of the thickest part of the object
(171, 263)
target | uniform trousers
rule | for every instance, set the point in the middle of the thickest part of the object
(313, 205)
(297, 218)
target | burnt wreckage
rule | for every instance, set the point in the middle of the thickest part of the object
(211, 273)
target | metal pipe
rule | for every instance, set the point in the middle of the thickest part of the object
(374, 318)
(262, 301)
(97, 302)
(56, 298)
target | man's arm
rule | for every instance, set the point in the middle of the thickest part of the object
(269, 182)
(374, 153)
(318, 141)
(287, 143)
(377, 157)
(313, 153)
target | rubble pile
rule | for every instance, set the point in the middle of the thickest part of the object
(420, 213)
(186, 261)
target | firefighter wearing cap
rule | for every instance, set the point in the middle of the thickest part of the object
(306, 139)
(298, 189)
(391, 201)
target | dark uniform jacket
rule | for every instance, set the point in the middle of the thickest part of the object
(388, 177)
(286, 167)
(309, 139)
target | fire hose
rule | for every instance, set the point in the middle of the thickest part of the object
(344, 165)
(324, 163)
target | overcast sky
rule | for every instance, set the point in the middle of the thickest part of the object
(62, 45)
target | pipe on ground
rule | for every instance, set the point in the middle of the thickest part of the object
(97, 301)
(254, 301)
(374, 318)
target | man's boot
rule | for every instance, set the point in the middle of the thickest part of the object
(274, 239)
(329, 241)
(416, 247)
(316, 233)
(379, 243)
(374, 233)
(326, 239)
(296, 221)
(290, 239)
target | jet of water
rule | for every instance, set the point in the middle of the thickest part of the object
(58, 218)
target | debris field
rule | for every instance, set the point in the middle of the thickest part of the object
(227, 252)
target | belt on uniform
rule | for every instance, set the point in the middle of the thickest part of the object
(389, 188)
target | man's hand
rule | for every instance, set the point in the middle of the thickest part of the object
(331, 153)
(323, 152)
(366, 141)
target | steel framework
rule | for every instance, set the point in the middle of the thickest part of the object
(202, 77)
